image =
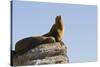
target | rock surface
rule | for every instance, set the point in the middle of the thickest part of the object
(50, 53)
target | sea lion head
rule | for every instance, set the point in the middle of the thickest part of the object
(58, 19)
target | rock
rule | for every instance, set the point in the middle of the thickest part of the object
(50, 53)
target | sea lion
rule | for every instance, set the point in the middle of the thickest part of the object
(57, 30)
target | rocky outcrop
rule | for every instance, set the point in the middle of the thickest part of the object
(48, 53)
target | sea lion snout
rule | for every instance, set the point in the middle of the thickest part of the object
(58, 18)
